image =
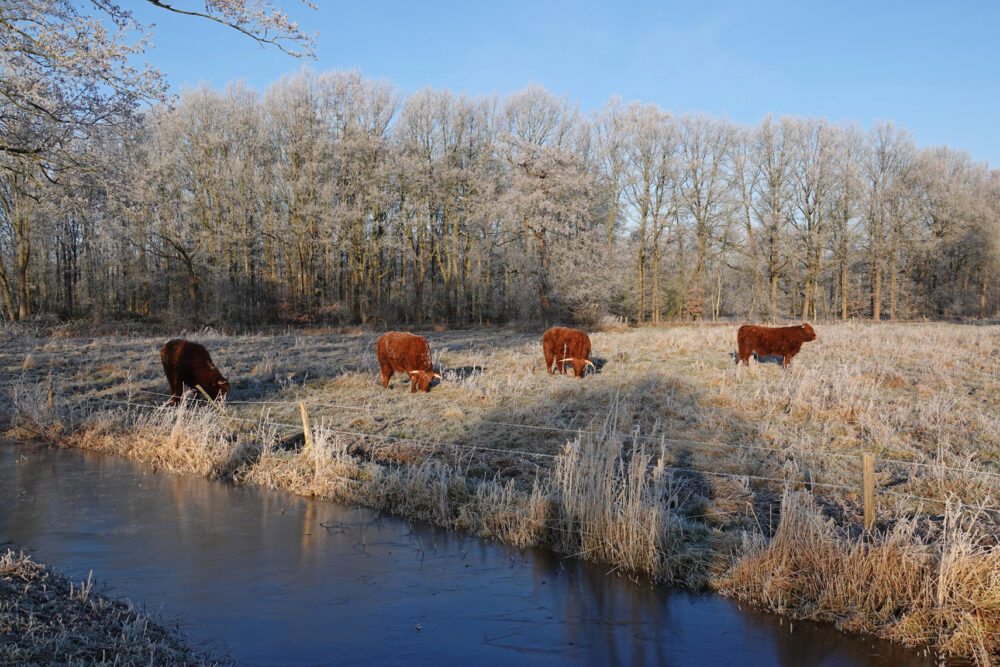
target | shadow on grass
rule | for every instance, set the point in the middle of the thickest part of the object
(301, 359)
(776, 359)
(661, 414)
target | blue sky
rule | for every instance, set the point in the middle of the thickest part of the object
(932, 67)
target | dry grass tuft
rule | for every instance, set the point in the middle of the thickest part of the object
(943, 592)
(619, 509)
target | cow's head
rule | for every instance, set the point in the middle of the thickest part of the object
(807, 332)
(217, 386)
(579, 365)
(425, 378)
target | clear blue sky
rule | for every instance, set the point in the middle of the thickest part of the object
(933, 67)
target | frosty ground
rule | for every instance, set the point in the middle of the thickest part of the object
(670, 462)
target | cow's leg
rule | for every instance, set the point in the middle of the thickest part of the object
(413, 383)
(743, 355)
(176, 388)
(549, 358)
(786, 360)
(386, 374)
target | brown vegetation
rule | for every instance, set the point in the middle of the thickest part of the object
(670, 462)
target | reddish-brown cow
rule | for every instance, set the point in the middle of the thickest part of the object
(406, 353)
(561, 345)
(785, 341)
(187, 363)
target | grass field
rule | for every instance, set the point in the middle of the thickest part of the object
(671, 461)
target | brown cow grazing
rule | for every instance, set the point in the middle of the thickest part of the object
(561, 345)
(406, 353)
(187, 363)
(785, 341)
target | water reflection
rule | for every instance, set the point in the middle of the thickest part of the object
(279, 579)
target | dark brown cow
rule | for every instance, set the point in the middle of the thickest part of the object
(562, 344)
(406, 353)
(785, 341)
(187, 363)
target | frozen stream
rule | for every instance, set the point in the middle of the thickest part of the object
(273, 578)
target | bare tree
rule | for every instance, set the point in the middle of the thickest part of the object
(773, 155)
(650, 192)
(705, 181)
(813, 143)
(884, 168)
(546, 183)
(316, 201)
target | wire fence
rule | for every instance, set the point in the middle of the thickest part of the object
(936, 466)
(536, 459)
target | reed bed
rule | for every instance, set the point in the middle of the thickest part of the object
(672, 462)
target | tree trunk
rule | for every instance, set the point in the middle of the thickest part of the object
(844, 309)
(773, 296)
(806, 298)
(982, 292)
(23, 263)
(877, 293)
(892, 287)
(8, 300)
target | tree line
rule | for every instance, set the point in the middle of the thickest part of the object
(332, 198)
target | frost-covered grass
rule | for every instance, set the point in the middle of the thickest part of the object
(46, 619)
(687, 468)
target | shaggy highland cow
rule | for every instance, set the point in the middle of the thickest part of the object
(187, 363)
(561, 345)
(406, 353)
(785, 341)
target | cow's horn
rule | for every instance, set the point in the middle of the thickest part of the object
(412, 372)
(563, 361)
(438, 376)
(590, 363)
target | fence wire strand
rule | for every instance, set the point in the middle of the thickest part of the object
(437, 446)
(640, 437)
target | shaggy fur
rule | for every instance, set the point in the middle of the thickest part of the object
(187, 363)
(561, 344)
(406, 353)
(785, 341)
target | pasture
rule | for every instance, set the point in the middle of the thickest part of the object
(670, 462)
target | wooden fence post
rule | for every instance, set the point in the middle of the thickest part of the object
(305, 427)
(868, 488)
(210, 400)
